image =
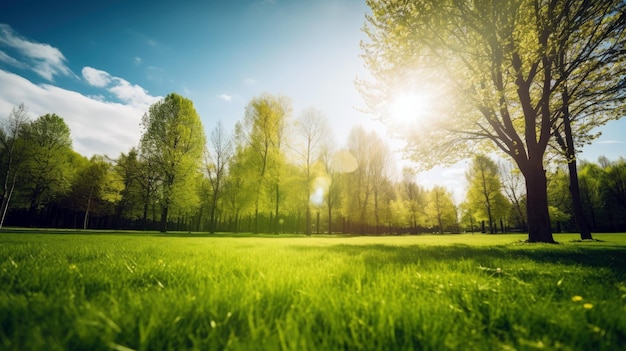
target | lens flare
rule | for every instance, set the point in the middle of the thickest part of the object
(320, 188)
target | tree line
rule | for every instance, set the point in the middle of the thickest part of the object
(275, 172)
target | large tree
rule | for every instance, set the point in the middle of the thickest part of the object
(47, 161)
(497, 64)
(172, 143)
(262, 137)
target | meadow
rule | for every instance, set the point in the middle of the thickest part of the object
(132, 291)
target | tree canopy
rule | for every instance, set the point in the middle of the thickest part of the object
(499, 69)
(173, 142)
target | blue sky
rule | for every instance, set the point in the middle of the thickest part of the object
(100, 64)
(218, 54)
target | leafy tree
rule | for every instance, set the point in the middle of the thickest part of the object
(127, 170)
(96, 187)
(590, 192)
(500, 61)
(262, 134)
(614, 193)
(238, 190)
(11, 151)
(588, 97)
(440, 210)
(47, 170)
(414, 196)
(172, 143)
(484, 195)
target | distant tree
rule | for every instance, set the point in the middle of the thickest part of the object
(440, 210)
(216, 164)
(372, 164)
(379, 169)
(559, 197)
(262, 136)
(513, 188)
(96, 187)
(127, 170)
(590, 178)
(239, 191)
(47, 172)
(332, 163)
(172, 143)
(484, 194)
(499, 66)
(11, 151)
(311, 131)
(614, 192)
(414, 195)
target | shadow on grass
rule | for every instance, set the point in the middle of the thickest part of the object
(377, 255)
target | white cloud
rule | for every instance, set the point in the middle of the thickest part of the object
(98, 127)
(125, 91)
(11, 61)
(44, 59)
(225, 97)
(96, 77)
(131, 93)
(138, 61)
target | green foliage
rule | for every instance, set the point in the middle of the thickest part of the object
(485, 200)
(440, 211)
(262, 140)
(173, 143)
(127, 171)
(47, 169)
(96, 188)
(504, 73)
(141, 292)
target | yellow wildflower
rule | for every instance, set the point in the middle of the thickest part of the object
(577, 298)
(587, 306)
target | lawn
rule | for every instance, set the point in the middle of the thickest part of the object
(123, 291)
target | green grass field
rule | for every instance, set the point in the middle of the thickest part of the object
(122, 291)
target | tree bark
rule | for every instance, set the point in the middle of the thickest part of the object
(539, 229)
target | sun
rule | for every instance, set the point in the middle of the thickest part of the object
(409, 107)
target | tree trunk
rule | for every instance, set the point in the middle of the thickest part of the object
(317, 228)
(330, 220)
(6, 200)
(308, 220)
(164, 211)
(86, 218)
(539, 229)
(275, 224)
(579, 215)
(570, 153)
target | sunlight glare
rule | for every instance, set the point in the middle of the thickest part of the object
(409, 107)
(321, 185)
